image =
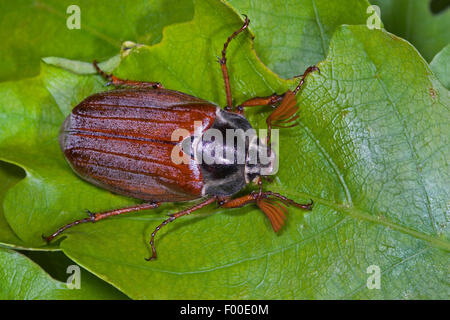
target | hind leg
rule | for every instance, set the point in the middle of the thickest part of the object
(126, 83)
(94, 217)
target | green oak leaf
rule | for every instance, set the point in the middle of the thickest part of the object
(293, 35)
(413, 21)
(23, 279)
(440, 65)
(369, 150)
(40, 29)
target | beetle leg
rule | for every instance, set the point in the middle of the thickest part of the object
(285, 106)
(174, 216)
(257, 196)
(223, 63)
(127, 83)
(274, 99)
(94, 217)
(271, 203)
(304, 75)
(263, 101)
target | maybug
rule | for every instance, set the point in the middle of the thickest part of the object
(121, 140)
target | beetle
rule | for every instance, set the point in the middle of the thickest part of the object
(121, 140)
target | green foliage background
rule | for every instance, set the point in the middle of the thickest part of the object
(371, 150)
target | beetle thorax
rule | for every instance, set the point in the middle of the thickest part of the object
(230, 154)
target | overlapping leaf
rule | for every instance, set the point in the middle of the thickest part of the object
(414, 21)
(9, 176)
(441, 66)
(22, 279)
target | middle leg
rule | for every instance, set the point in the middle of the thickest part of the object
(171, 218)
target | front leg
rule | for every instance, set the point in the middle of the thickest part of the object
(285, 106)
(274, 99)
(126, 83)
(274, 205)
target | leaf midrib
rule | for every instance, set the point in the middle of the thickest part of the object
(366, 216)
